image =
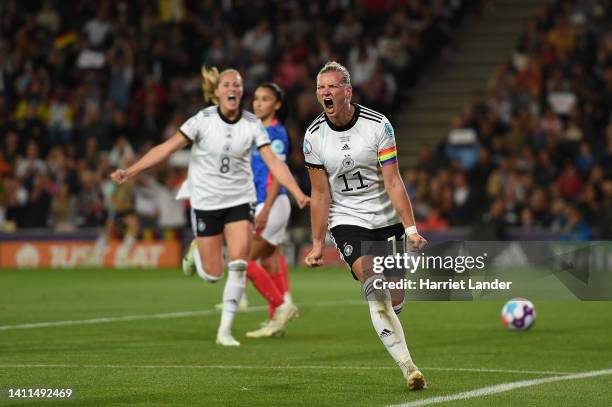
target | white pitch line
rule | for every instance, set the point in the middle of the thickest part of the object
(502, 387)
(486, 370)
(255, 367)
(166, 315)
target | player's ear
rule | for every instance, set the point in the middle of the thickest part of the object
(349, 92)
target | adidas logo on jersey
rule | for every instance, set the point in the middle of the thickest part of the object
(385, 332)
(345, 147)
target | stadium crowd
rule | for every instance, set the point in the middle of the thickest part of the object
(534, 150)
(86, 87)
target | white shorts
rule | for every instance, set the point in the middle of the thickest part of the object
(276, 228)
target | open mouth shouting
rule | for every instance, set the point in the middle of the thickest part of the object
(329, 105)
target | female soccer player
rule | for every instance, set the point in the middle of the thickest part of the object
(352, 163)
(221, 187)
(270, 277)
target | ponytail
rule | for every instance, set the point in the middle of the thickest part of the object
(209, 84)
(211, 81)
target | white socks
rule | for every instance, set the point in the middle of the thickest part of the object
(387, 325)
(234, 288)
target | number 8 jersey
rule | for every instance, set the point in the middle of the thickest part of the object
(220, 173)
(353, 156)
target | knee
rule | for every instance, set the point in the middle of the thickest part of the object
(212, 275)
(211, 272)
(378, 298)
(398, 306)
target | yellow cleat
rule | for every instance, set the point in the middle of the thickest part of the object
(416, 381)
(188, 265)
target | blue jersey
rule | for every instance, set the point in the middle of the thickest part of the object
(261, 174)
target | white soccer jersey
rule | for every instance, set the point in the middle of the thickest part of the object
(353, 156)
(220, 163)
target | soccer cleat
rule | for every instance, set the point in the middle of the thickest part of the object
(416, 381)
(276, 326)
(189, 266)
(226, 339)
(267, 330)
(283, 314)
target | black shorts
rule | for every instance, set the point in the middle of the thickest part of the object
(118, 218)
(211, 223)
(355, 241)
(120, 215)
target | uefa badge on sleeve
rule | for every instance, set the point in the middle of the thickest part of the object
(388, 130)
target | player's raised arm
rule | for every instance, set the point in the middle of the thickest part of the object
(396, 190)
(319, 214)
(281, 172)
(154, 156)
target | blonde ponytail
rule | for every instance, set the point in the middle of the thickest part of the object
(211, 80)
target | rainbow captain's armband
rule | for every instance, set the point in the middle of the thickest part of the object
(387, 156)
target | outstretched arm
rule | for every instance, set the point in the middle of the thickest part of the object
(281, 172)
(154, 156)
(319, 214)
(399, 198)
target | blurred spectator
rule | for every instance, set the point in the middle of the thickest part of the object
(362, 60)
(347, 32)
(259, 39)
(31, 164)
(122, 153)
(576, 228)
(98, 29)
(605, 222)
(37, 208)
(60, 119)
(433, 222)
(569, 182)
(63, 210)
(492, 226)
(170, 210)
(543, 126)
(585, 160)
(145, 201)
(89, 200)
(379, 91)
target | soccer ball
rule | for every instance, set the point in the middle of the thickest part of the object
(518, 314)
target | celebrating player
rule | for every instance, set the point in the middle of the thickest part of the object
(351, 157)
(270, 277)
(221, 188)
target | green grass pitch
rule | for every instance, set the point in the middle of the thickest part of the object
(329, 357)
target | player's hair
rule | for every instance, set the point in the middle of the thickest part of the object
(333, 66)
(281, 114)
(211, 81)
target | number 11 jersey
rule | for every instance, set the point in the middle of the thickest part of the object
(220, 173)
(352, 157)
